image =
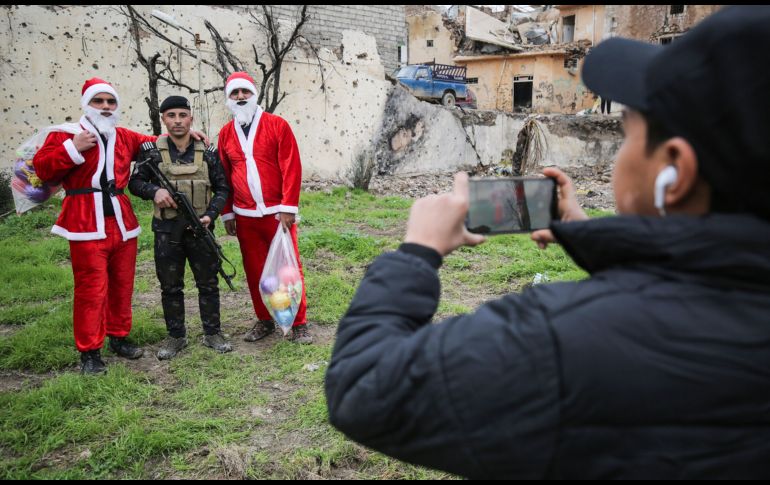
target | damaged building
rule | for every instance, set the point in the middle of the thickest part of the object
(526, 59)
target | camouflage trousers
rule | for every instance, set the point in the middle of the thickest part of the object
(170, 267)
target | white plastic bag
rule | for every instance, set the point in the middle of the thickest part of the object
(281, 283)
(27, 188)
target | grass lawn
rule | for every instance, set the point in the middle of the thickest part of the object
(258, 412)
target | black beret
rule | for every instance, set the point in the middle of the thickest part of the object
(174, 102)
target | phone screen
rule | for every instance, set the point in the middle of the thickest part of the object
(508, 205)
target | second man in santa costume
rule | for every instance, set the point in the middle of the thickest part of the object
(261, 160)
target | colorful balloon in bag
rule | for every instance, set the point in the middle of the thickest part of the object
(281, 282)
(269, 284)
(288, 275)
(27, 188)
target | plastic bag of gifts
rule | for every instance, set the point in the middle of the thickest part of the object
(27, 188)
(281, 283)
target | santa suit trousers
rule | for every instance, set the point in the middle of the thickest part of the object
(254, 236)
(104, 281)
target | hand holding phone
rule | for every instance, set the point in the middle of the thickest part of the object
(568, 208)
(511, 205)
(437, 221)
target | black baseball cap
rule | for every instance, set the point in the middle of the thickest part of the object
(710, 86)
(174, 102)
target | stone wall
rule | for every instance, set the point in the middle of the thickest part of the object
(47, 52)
(418, 137)
(386, 23)
(643, 22)
(337, 114)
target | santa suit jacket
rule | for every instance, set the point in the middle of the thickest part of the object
(82, 216)
(263, 167)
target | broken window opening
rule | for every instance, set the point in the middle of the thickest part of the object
(522, 93)
(430, 43)
(472, 80)
(403, 56)
(568, 29)
(667, 39)
(677, 9)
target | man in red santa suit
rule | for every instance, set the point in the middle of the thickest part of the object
(98, 220)
(261, 160)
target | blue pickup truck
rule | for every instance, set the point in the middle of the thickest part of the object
(435, 82)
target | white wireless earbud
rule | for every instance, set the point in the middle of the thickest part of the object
(666, 177)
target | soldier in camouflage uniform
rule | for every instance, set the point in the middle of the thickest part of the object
(197, 172)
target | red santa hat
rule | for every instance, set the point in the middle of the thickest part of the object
(239, 80)
(94, 86)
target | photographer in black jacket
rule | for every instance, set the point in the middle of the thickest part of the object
(658, 365)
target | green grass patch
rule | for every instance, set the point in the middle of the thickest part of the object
(262, 406)
(328, 295)
(350, 245)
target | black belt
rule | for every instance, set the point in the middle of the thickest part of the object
(112, 191)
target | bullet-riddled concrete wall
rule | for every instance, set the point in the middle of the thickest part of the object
(47, 52)
(418, 137)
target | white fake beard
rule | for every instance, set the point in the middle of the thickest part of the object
(243, 114)
(105, 124)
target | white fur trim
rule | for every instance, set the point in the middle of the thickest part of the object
(247, 212)
(240, 83)
(247, 147)
(73, 152)
(288, 208)
(77, 236)
(96, 89)
(228, 216)
(132, 233)
(262, 210)
(107, 157)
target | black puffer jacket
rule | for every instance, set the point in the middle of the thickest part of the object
(657, 366)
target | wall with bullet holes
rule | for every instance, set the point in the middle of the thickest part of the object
(334, 103)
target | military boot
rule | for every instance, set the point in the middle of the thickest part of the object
(91, 363)
(124, 348)
(300, 335)
(261, 329)
(217, 342)
(170, 347)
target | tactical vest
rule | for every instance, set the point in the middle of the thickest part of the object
(190, 178)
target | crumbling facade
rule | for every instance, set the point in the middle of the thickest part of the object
(429, 39)
(580, 22)
(659, 24)
(521, 61)
(526, 82)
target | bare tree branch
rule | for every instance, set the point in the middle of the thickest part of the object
(270, 91)
(150, 65)
(228, 62)
(270, 94)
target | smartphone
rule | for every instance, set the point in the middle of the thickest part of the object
(511, 205)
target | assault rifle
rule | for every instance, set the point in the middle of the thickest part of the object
(186, 210)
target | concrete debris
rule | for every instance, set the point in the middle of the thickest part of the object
(518, 18)
(485, 28)
(477, 32)
(535, 33)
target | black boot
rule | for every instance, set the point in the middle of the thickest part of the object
(91, 362)
(124, 348)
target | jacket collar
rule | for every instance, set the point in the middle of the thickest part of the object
(724, 249)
